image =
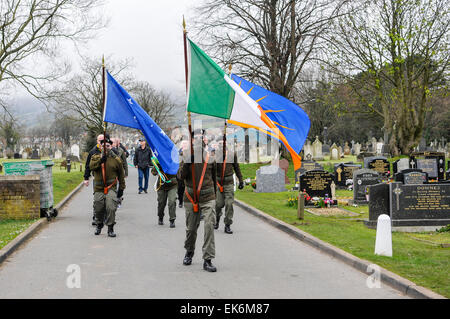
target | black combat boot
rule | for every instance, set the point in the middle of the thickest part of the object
(160, 221)
(111, 231)
(188, 258)
(172, 223)
(208, 266)
(98, 230)
(228, 229)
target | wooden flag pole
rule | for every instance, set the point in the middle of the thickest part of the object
(189, 113)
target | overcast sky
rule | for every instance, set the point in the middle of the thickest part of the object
(151, 33)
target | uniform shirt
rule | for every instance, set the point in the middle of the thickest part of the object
(121, 154)
(230, 166)
(165, 186)
(113, 170)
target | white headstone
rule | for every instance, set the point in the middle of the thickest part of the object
(317, 149)
(75, 150)
(58, 154)
(383, 242)
(307, 149)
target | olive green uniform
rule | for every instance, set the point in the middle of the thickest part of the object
(123, 157)
(105, 206)
(226, 198)
(206, 202)
(167, 193)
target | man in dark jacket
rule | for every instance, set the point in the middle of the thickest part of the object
(142, 160)
(202, 203)
(167, 192)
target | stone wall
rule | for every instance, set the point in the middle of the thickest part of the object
(20, 197)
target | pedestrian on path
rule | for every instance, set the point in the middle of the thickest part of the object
(142, 160)
(199, 200)
(108, 171)
(166, 189)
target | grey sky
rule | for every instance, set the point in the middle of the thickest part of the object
(149, 32)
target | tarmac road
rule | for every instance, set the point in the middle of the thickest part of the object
(145, 259)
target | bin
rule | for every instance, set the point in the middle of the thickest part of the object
(44, 170)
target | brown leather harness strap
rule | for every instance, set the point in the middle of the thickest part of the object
(197, 192)
(106, 188)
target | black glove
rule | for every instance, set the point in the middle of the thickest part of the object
(119, 193)
(103, 160)
(241, 185)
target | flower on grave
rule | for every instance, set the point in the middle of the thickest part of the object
(254, 185)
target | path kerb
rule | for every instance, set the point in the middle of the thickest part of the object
(401, 284)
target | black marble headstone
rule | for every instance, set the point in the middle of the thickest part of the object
(344, 172)
(400, 177)
(361, 179)
(317, 183)
(378, 201)
(379, 164)
(428, 165)
(307, 165)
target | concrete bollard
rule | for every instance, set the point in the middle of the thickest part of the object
(383, 242)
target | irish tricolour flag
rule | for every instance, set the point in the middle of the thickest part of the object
(212, 92)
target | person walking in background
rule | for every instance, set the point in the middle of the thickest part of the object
(142, 160)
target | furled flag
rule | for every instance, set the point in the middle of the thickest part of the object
(122, 109)
(213, 92)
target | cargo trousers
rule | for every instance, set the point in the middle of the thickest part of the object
(105, 207)
(225, 199)
(169, 197)
(192, 224)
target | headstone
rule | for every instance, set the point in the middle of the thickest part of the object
(399, 165)
(17, 155)
(361, 179)
(379, 164)
(284, 165)
(307, 149)
(325, 149)
(58, 154)
(422, 145)
(347, 149)
(270, 179)
(373, 145)
(307, 165)
(383, 240)
(428, 165)
(414, 178)
(344, 172)
(357, 149)
(400, 177)
(317, 150)
(317, 183)
(334, 152)
(378, 201)
(35, 154)
(380, 148)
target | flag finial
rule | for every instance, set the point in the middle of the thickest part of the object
(184, 24)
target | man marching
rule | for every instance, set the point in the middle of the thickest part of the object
(108, 171)
(225, 183)
(167, 192)
(199, 199)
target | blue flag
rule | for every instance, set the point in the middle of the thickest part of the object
(290, 118)
(122, 109)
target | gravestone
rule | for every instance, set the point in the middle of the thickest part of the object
(270, 179)
(416, 207)
(17, 155)
(356, 149)
(317, 183)
(347, 149)
(325, 149)
(361, 179)
(334, 152)
(58, 154)
(307, 149)
(35, 154)
(399, 165)
(378, 201)
(379, 164)
(373, 145)
(317, 150)
(307, 165)
(344, 172)
(284, 165)
(414, 177)
(400, 177)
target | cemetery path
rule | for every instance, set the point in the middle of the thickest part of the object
(145, 259)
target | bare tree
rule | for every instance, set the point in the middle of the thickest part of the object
(80, 99)
(393, 54)
(268, 42)
(33, 29)
(158, 104)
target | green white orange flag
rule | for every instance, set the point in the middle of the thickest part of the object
(212, 92)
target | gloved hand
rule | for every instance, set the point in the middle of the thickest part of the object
(119, 193)
(241, 185)
(103, 160)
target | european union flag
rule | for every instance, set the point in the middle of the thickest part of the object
(290, 118)
(122, 109)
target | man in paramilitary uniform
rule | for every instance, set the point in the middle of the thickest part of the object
(225, 185)
(108, 171)
(167, 192)
(199, 199)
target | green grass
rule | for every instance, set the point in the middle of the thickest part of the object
(416, 256)
(63, 184)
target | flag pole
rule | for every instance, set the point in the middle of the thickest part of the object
(189, 113)
(225, 125)
(105, 190)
